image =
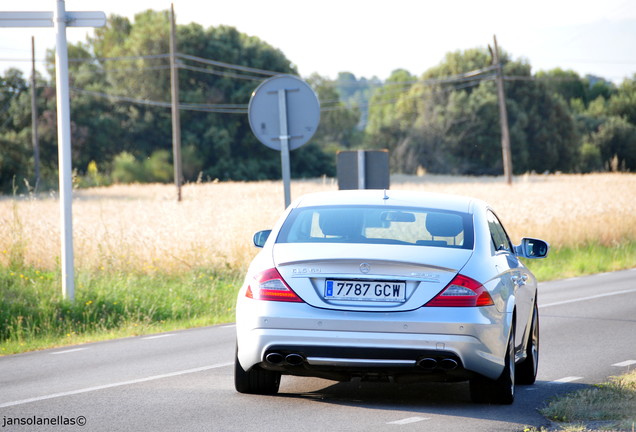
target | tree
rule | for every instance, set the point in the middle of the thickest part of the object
(545, 136)
(337, 129)
(382, 106)
(16, 149)
(131, 61)
(448, 121)
(566, 84)
(598, 87)
(616, 143)
(356, 93)
(623, 102)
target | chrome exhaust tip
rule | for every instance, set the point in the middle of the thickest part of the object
(448, 364)
(274, 358)
(427, 363)
(294, 359)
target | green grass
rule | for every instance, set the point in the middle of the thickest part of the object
(33, 314)
(588, 259)
(610, 406)
(108, 305)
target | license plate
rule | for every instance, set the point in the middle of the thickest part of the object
(336, 289)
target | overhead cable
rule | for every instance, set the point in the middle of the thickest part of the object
(223, 108)
(220, 73)
(226, 65)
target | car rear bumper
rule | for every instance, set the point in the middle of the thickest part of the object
(334, 344)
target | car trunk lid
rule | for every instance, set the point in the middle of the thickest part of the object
(367, 277)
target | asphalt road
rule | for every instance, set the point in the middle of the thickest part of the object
(182, 381)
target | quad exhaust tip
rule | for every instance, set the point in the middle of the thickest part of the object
(294, 359)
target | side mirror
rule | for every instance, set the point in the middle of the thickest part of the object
(532, 248)
(261, 237)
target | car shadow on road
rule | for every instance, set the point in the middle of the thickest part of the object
(377, 394)
(380, 393)
(427, 398)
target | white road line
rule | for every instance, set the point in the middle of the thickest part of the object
(565, 380)
(409, 420)
(69, 351)
(229, 326)
(625, 363)
(119, 384)
(157, 336)
(588, 298)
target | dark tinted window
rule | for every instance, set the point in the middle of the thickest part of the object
(498, 234)
(378, 225)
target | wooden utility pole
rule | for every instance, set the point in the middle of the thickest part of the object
(176, 123)
(34, 118)
(503, 117)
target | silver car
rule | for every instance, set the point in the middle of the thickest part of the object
(381, 285)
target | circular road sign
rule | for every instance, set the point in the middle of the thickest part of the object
(301, 116)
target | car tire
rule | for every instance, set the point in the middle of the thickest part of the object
(499, 391)
(256, 380)
(527, 369)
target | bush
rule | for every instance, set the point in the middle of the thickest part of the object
(590, 158)
(156, 168)
(126, 169)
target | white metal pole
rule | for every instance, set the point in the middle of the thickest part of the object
(284, 144)
(64, 150)
(362, 175)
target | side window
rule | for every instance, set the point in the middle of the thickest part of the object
(499, 237)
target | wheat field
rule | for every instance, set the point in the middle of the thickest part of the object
(143, 228)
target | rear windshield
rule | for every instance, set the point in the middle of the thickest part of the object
(378, 225)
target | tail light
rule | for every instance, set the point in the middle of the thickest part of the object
(462, 291)
(270, 285)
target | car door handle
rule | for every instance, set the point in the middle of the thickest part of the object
(520, 280)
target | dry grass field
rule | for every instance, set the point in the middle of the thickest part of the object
(142, 227)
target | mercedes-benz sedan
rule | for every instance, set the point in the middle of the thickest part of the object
(380, 285)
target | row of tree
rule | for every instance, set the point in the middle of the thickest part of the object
(558, 121)
(445, 121)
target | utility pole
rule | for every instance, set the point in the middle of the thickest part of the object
(503, 117)
(176, 123)
(34, 117)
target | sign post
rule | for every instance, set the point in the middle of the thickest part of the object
(60, 19)
(284, 113)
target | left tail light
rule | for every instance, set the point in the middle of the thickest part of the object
(270, 285)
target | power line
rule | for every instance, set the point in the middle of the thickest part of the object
(221, 108)
(121, 58)
(404, 96)
(466, 80)
(138, 69)
(220, 73)
(226, 65)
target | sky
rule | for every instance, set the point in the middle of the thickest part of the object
(372, 38)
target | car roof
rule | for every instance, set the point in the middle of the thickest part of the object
(400, 198)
